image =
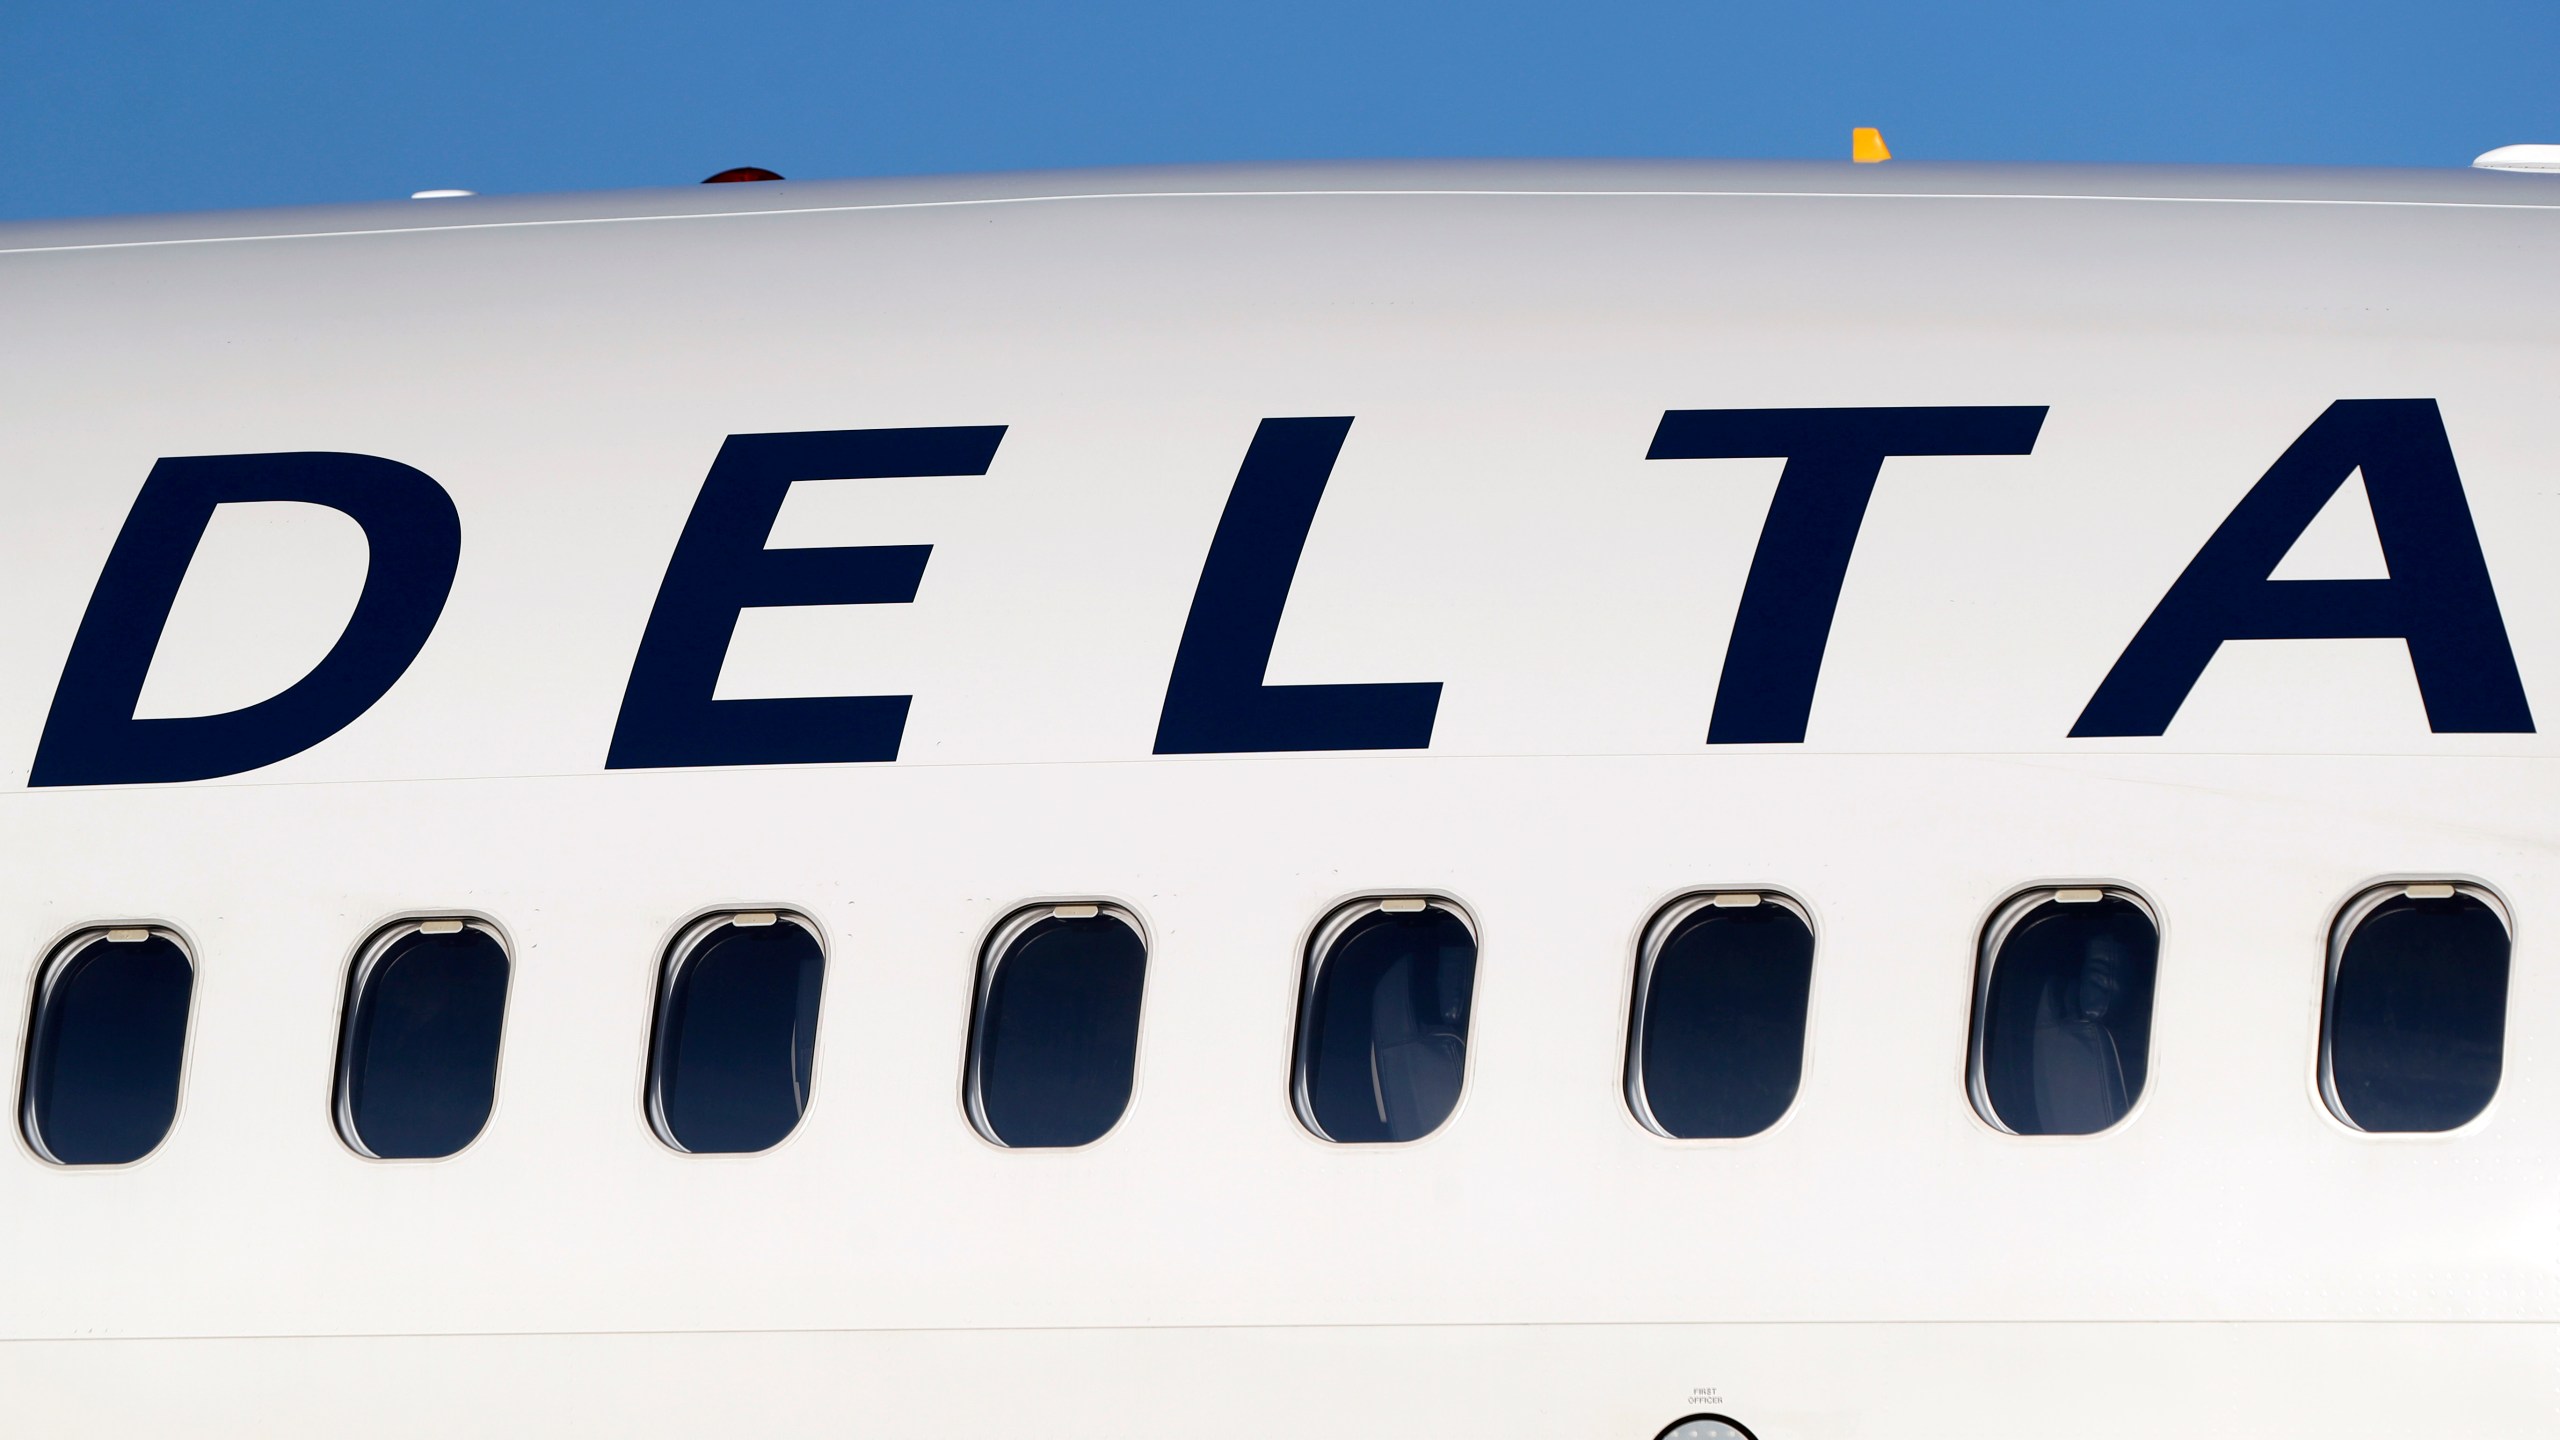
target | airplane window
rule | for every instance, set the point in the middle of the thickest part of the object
(2062, 1011)
(1717, 1044)
(1054, 1044)
(418, 1049)
(1382, 1020)
(2414, 1031)
(105, 1044)
(737, 1026)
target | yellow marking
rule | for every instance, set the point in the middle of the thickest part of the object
(1866, 145)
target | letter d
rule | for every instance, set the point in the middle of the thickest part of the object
(415, 541)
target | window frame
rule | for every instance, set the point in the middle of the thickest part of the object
(673, 957)
(48, 972)
(2342, 929)
(1650, 941)
(1986, 958)
(991, 956)
(360, 970)
(1321, 941)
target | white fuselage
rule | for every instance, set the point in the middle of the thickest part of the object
(1506, 340)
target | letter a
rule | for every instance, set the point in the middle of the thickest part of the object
(2438, 598)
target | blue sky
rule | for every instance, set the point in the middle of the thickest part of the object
(121, 105)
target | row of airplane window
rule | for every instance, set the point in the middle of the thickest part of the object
(2412, 1029)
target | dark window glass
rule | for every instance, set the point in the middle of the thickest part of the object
(1382, 1032)
(418, 1059)
(1719, 1029)
(2417, 1016)
(737, 1023)
(109, 1031)
(1057, 1029)
(2063, 1019)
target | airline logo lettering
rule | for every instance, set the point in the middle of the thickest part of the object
(2437, 598)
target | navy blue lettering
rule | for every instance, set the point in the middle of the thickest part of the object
(1833, 456)
(2438, 599)
(721, 567)
(415, 541)
(1216, 701)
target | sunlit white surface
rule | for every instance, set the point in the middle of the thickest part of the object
(1880, 1263)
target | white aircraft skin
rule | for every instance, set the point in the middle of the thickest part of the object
(2231, 1259)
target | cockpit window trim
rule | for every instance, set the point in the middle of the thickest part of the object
(1737, 1426)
